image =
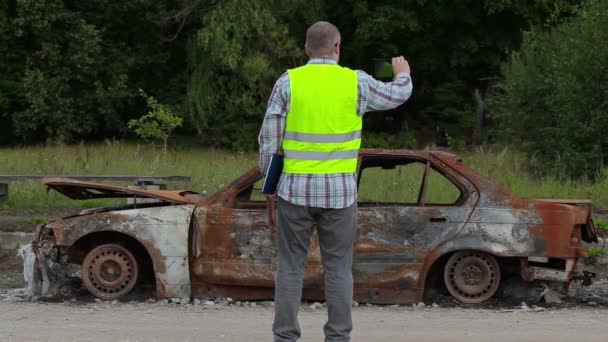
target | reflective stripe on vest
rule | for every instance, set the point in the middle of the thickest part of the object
(313, 155)
(322, 138)
(323, 130)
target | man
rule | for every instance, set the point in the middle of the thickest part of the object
(315, 116)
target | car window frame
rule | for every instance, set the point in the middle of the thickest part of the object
(422, 192)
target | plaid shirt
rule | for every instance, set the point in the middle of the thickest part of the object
(335, 190)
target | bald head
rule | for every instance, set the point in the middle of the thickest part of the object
(322, 40)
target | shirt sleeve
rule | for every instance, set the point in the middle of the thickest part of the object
(376, 95)
(273, 126)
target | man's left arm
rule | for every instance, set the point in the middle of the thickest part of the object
(273, 126)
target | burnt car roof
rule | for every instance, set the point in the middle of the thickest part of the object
(80, 190)
(395, 153)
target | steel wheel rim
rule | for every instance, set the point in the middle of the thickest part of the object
(472, 277)
(109, 271)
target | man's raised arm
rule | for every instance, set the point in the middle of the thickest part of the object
(378, 95)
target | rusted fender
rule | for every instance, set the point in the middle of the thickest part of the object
(163, 231)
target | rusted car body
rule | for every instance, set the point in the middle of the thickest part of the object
(187, 245)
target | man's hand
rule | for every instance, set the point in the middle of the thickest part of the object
(400, 65)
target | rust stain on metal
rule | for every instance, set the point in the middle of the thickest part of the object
(226, 244)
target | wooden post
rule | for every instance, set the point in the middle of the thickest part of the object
(478, 117)
(145, 185)
(3, 192)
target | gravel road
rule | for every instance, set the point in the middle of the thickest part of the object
(173, 322)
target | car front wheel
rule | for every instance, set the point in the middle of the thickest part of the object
(472, 276)
(109, 271)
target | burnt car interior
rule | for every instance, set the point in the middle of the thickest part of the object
(251, 197)
(90, 193)
(383, 181)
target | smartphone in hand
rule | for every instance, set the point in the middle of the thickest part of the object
(383, 69)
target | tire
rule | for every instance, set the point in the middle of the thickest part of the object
(472, 277)
(109, 271)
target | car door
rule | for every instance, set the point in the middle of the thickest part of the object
(233, 245)
(407, 206)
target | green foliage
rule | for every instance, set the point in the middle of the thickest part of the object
(450, 45)
(72, 67)
(555, 94)
(9, 71)
(211, 169)
(35, 220)
(66, 74)
(458, 143)
(390, 141)
(594, 251)
(158, 124)
(601, 224)
(242, 47)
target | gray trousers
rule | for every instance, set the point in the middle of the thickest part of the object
(336, 229)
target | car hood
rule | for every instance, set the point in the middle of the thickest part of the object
(87, 190)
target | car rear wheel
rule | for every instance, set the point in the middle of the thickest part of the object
(472, 276)
(109, 271)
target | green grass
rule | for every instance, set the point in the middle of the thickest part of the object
(211, 169)
(381, 185)
(601, 224)
(34, 220)
(594, 251)
(508, 168)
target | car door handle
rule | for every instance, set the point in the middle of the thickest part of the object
(438, 219)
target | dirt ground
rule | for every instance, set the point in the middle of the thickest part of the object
(11, 270)
(173, 322)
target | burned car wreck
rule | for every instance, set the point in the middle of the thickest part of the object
(426, 223)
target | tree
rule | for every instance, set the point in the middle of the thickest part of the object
(74, 67)
(242, 47)
(11, 70)
(450, 44)
(554, 95)
(158, 124)
(71, 69)
(68, 87)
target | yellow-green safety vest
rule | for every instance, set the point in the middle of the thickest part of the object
(323, 130)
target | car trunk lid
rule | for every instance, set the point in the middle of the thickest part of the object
(585, 208)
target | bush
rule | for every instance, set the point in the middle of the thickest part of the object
(235, 57)
(388, 141)
(554, 97)
(594, 251)
(158, 124)
(458, 143)
(601, 224)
